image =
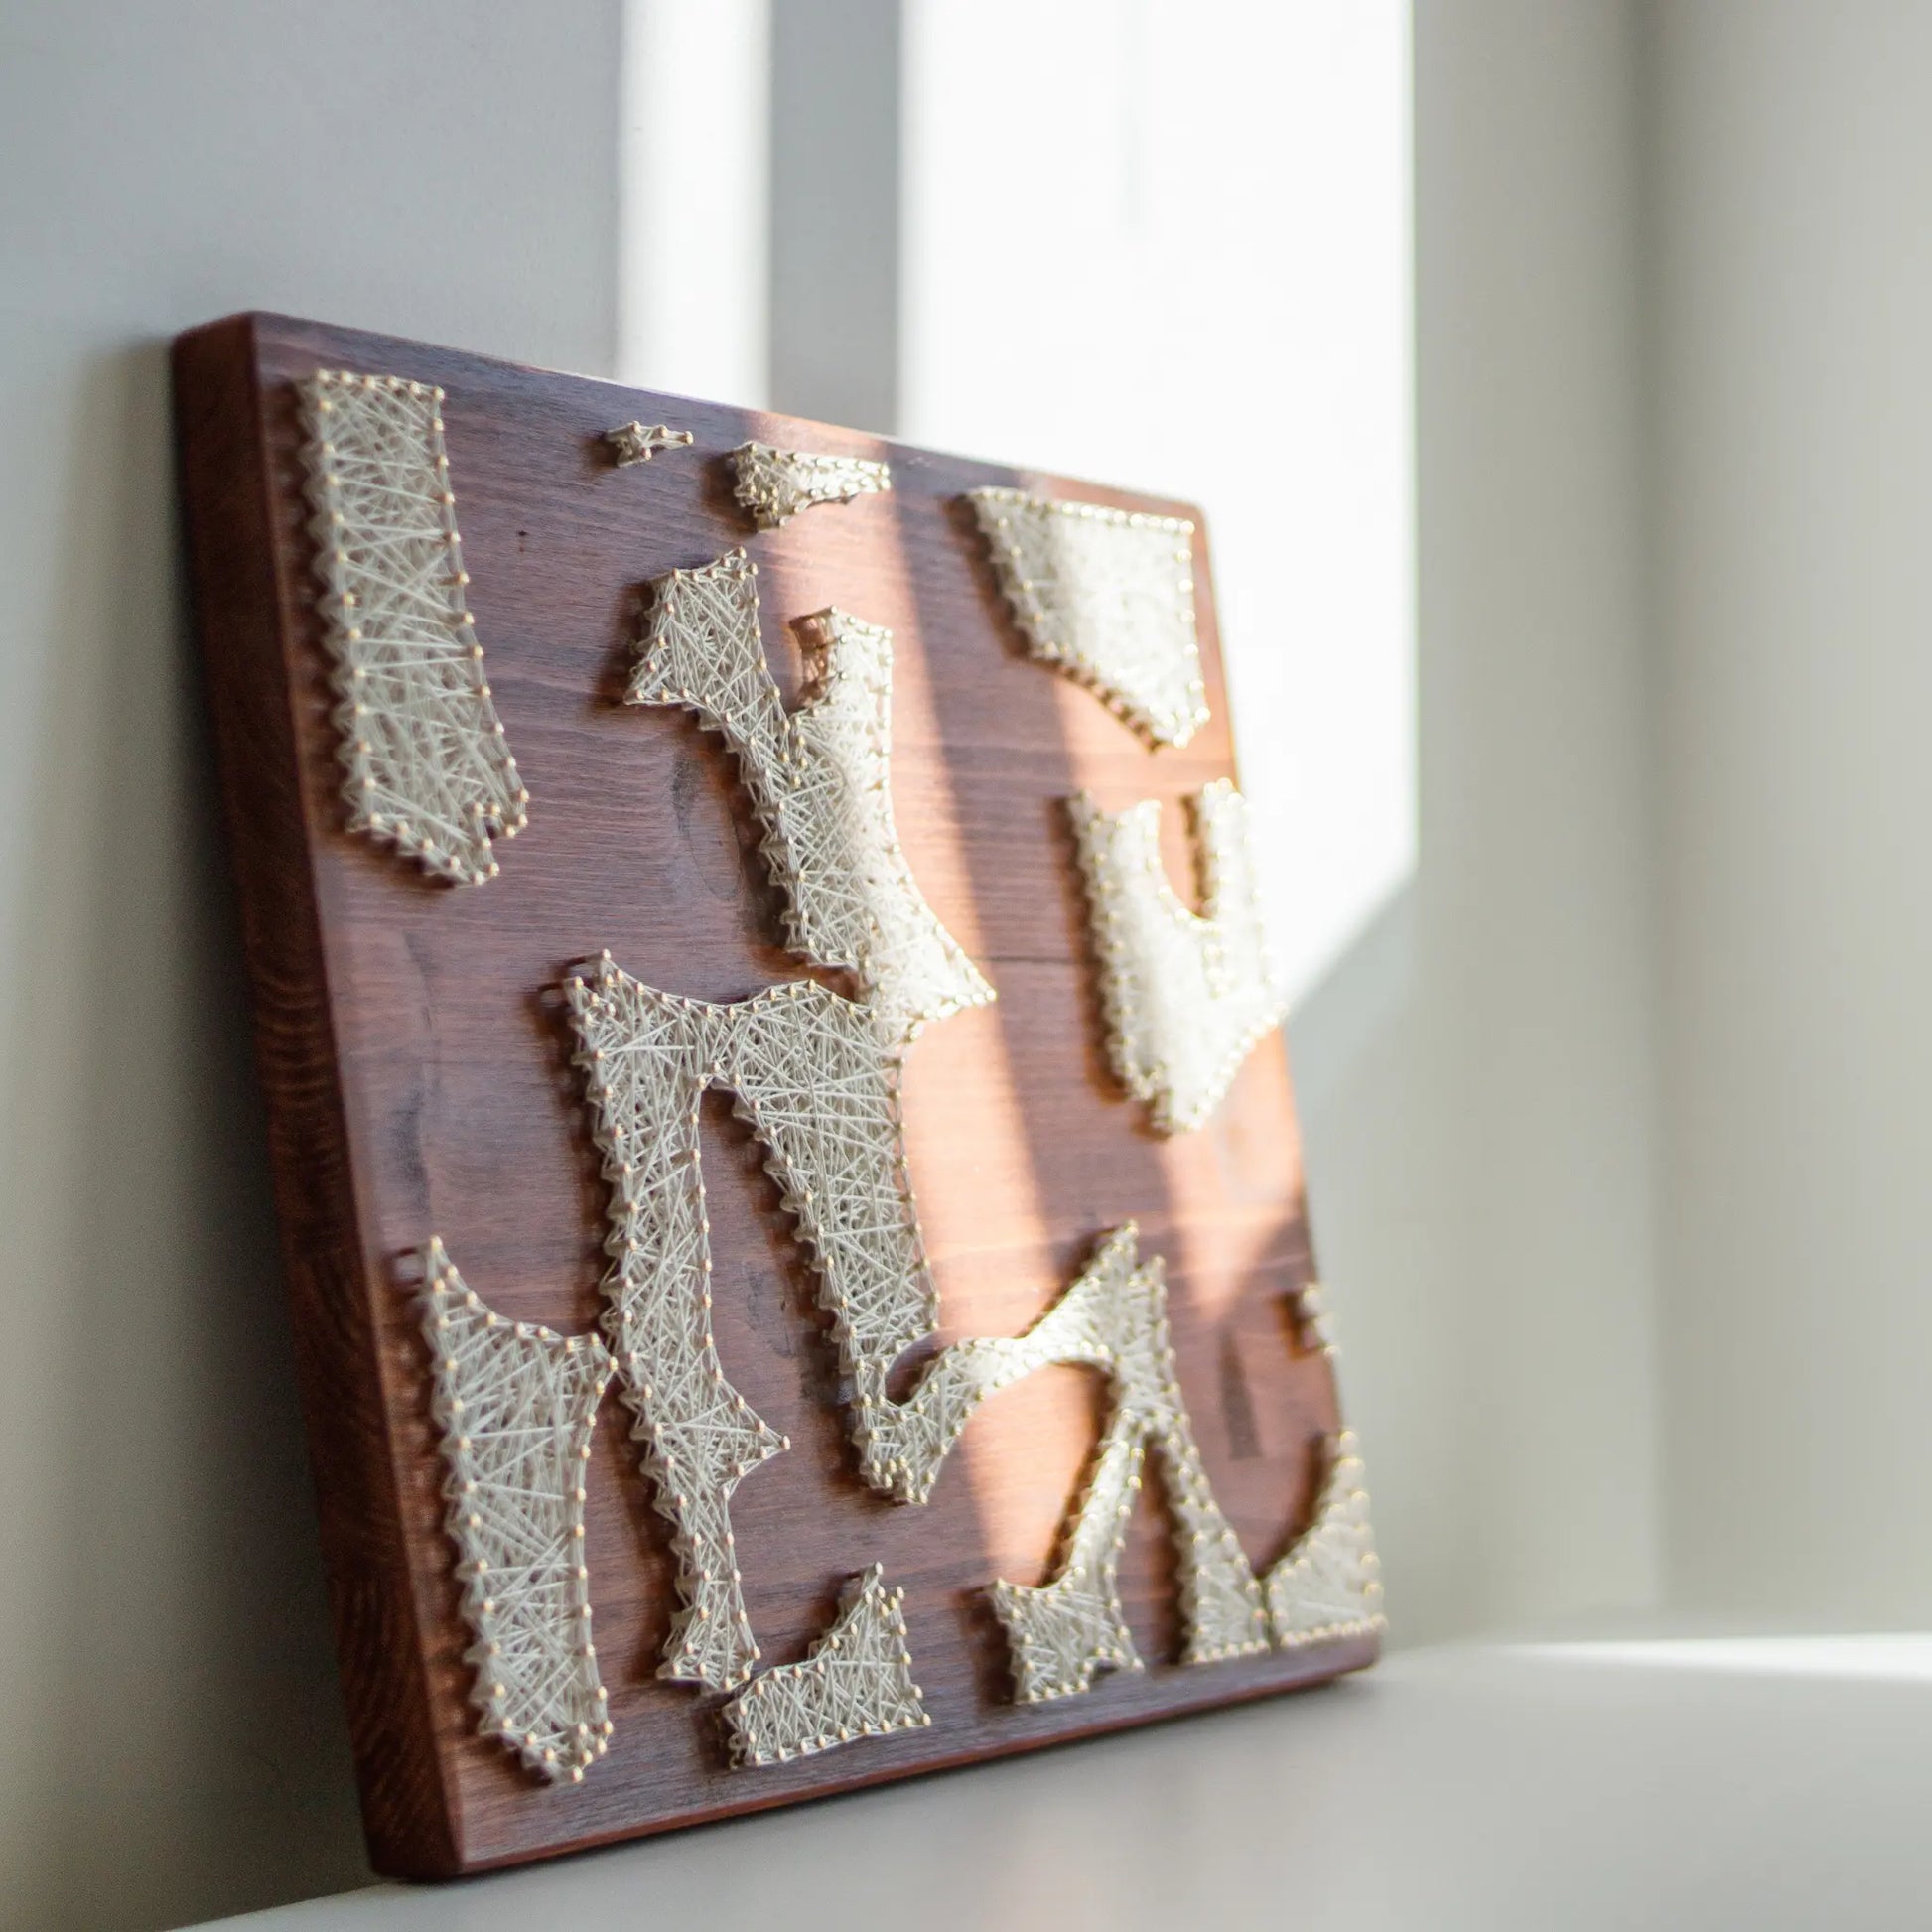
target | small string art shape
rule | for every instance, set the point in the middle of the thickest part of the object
(427, 762)
(1186, 996)
(774, 485)
(1106, 595)
(1062, 1633)
(820, 779)
(513, 1405)
(634, 443)
(1315, 1321)
(856, 1682)
(1330, 1583)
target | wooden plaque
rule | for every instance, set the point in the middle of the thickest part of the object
(416, 1060)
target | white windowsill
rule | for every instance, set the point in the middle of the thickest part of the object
(1707, 1783)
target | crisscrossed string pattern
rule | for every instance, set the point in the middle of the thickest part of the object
(1062, 1633)
(815, 1076)
(1106, 595)
(1330, 1583)
(816, 1080)
(819, 778)
(856, 1682)
(774, 485)
(427, 762)
(647, 1057)
(513, 1405)
(1186, 996)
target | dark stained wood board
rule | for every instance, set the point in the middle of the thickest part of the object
(416, 1069)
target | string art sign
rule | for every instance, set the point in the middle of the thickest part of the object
(790, 1190)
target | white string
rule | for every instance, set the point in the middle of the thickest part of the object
(513, 1405)
(1314, 1321)
(1062, 1633)
(1106, 595)
(820, 780)
(428, 765)
(815, 1077)
(856, 1682)
(1330, 1583)
(648, 1058)
(1186, 996)
(774, 485)
(634, 443)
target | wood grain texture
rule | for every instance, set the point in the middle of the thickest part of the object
(415, 1064)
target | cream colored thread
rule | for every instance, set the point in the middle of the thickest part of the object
(1315, 1321)
(1108, 597)
(817, 1080)
(856, 1682)
(1330, 1583)
(634, 443)
(420, 738)
(820, 779)
(774, 485)
(646, 1061)
(1062, 1633)
(816, 1077)
(515, 1405)
(1187, 998)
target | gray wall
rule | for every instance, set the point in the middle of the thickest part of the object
(834, 211)
(1476, 1077)
(443, 169)
(1792, 155)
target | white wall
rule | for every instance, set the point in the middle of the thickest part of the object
(444, 169)
(694, 237)
(1128, 258)
(1791, 153)
(1476, 1074)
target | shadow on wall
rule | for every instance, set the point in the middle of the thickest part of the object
(1382, 1204)
(192, 1755)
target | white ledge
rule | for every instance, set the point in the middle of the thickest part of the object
(1748, 1782)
